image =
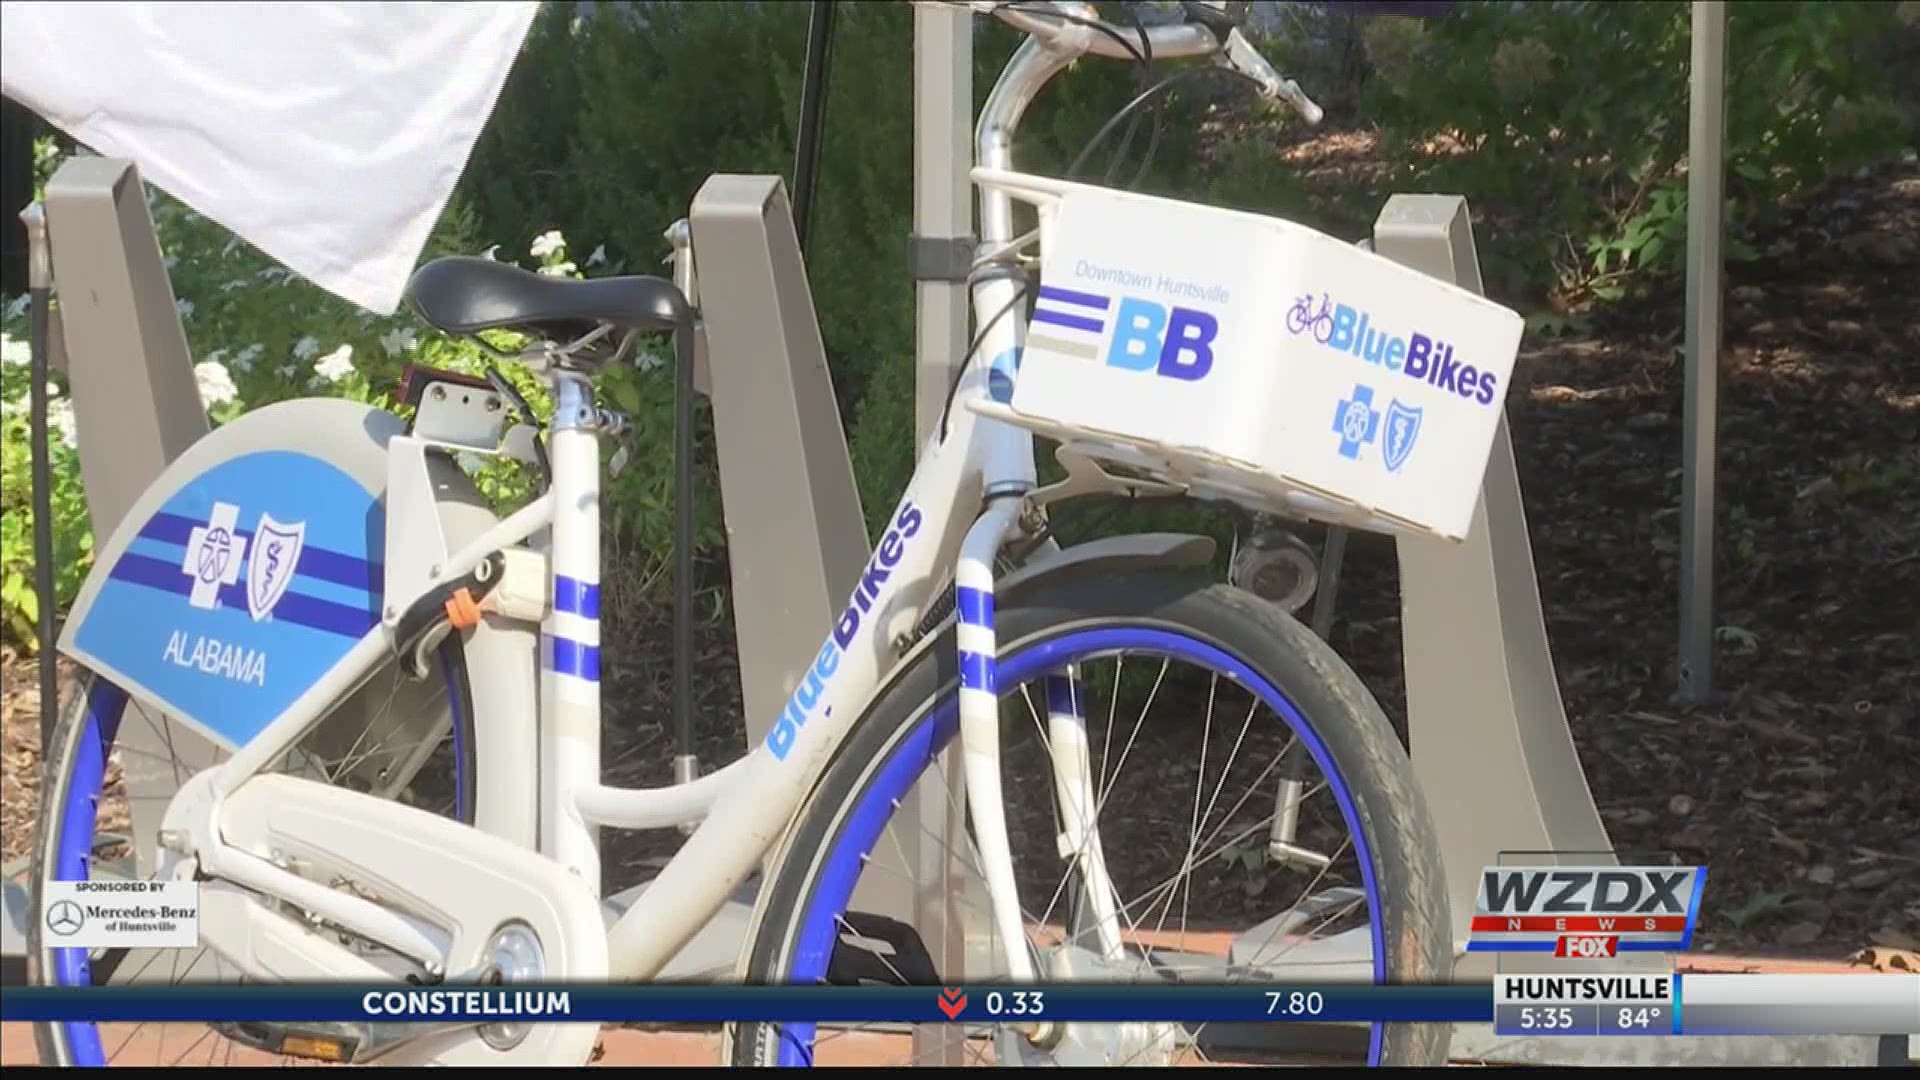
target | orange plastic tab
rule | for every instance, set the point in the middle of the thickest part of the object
(462, 612)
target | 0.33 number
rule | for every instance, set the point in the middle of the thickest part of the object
(1016, 1003)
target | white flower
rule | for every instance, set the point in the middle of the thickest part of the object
(306, 348)
(648, 361)
(248, 355)
(488, 254)
(563, 269)
(397, 340)
(599, 256)
(236, 283)
(287, 371)
(336, 365)
(548, 243)
(170, 262)
(17, 306)
(15, 352)
(60, 419)
(216, 386)
(184, 307)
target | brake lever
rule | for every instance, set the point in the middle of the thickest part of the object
(1238, 55)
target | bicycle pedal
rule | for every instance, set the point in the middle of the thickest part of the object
(1294, 855)
(330, 1042)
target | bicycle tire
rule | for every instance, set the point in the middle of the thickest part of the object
(1402, 846)
(84, 714)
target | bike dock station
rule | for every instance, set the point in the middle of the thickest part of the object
(1483, 700)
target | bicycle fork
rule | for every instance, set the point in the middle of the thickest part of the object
(980, 750)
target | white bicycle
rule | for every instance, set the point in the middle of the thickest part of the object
(402, 695)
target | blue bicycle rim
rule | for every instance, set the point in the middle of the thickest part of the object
(818, 931)
(72, 966)
(106, 704)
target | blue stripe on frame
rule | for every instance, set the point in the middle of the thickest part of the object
(1060, 696)
(976, 671)
(568, 657)
(572, 596)
(975, 606)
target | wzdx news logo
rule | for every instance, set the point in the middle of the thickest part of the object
(1586, 913)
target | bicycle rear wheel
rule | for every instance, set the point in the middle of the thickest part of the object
(431, 764)
(1291, 707)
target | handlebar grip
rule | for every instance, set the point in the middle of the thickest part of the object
(1308, 109)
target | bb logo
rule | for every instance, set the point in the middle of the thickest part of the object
(1127, 332)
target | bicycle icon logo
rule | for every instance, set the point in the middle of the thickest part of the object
(1302, 316)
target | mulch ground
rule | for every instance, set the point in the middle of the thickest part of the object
(1800, 788)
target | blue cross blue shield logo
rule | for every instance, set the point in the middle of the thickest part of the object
(1403, 427)
(276, 554)
(1356, 421)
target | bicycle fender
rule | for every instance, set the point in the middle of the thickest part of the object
(252, 566)
(1106, 555)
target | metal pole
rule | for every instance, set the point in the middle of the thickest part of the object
(40, 292)
(813, 108)
(1706, 135)
(942, 211)
(942, 196)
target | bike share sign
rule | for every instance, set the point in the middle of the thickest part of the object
(1263, 354)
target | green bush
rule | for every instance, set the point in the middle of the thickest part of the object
(1566, 123)
(260, 334)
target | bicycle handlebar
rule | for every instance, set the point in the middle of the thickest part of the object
(1060, 24)
(1074, 26)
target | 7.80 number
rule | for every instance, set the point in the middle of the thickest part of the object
(1295, 1003)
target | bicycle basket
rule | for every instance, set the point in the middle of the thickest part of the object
(1254, 359)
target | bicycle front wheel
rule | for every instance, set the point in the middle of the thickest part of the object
(1265, 828)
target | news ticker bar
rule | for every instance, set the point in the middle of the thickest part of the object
(672, 1003)
(1586, 1004)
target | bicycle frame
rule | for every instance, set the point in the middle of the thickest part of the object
(965, 498)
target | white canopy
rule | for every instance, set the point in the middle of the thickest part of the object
(329, 135)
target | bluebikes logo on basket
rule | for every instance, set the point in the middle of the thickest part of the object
(892, 548)
(1127, 329)
(1415, 355)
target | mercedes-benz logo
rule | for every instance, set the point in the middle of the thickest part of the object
(65, 918)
